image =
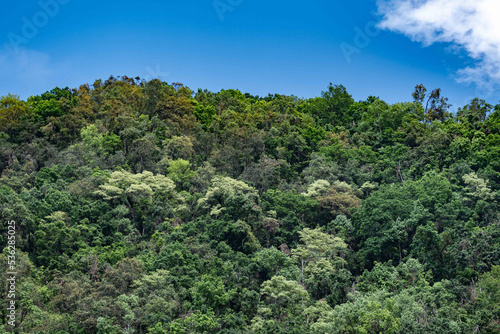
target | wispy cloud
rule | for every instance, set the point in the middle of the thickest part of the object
(27, 68)
(470, 25)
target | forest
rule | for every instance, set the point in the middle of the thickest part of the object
(147, 207)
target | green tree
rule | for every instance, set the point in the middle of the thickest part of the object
(148, 196)
(282, 298)
(230, 196)
(13, 113)
(211, 293)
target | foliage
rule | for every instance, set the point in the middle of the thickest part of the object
(147, 207)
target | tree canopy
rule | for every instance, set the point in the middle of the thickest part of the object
(148, 207)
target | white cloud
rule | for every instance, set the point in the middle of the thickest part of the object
(471, 25)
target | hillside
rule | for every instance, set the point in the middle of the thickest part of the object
(145, 207)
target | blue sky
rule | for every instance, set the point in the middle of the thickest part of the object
(286, 47)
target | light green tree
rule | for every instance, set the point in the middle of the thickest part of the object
(318, 250)
(317, 188)
(180, 172)
(149, 197)
(128, 304)
(281, 298)
(227, 195)
(367, 314)
(477, 187)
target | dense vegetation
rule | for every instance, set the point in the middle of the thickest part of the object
(144, 207)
